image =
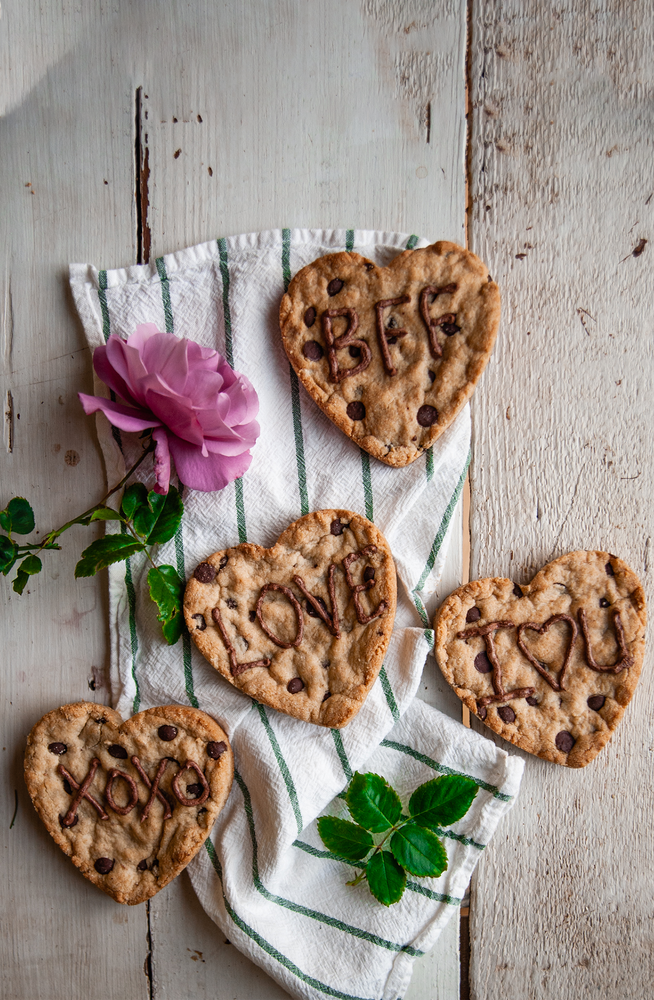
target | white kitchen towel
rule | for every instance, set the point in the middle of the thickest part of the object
(225, 295)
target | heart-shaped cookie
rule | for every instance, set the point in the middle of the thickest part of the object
(391, 354)
(302, 626)
(550, 666)
(132, 802)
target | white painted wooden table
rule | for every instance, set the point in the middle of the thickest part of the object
(133, 130)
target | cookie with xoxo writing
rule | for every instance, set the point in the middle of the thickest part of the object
(391, 354)
(303, 626)
(131, 802)
(552, 665)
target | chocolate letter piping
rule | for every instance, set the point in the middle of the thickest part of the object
(558, 684)
(382, 336)
(332, 623)
(188, 766)
(433, 324)
(356, 588)
(337, 374)
(298, 614)
(235, 668)
(625, 659)
(81, 792)
(155, 791)
(486, 632)
(114, 773)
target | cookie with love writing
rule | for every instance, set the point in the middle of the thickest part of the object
(391, 354)
(303, 626)
(131, 802)
(552, 665)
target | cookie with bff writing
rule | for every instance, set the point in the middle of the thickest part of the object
(391, 354)
(303, 626)
(129, 802)
(552, 665)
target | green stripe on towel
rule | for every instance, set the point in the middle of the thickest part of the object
(435, 766)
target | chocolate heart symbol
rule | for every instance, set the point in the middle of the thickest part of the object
(391, 354)
(131, 802)
(567, 718)
(303, 626)
(556, 683)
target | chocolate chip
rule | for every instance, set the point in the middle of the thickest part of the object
(104, 865)
(223, 562)
(312, 350)
(368, 573)
(564, 741)
(531, 700)
(517, 590)
(449, 329)
(482, 712)
(201, 623)
(310, 318)
(117, 751)
(326, 664)
(142, 866)
(214, 750)
(61, 822)
(355, 352)
(391, 325)
(231, 603)
(67, 788)
(432, 375)
(334, 286)
(482, 663)
(506, 714)
(252, 616)
(194, 790)
(311, 611)
(391, 340)
(609, 570)
(295, 685)
(356, 410)
(101, 721)
(336, 527)
(369, 265)
(596, 701)
(473, 615)
(205, 573)
(604, 603)
(167, 733)
(427, 415)
(57, 748)
(326, 695)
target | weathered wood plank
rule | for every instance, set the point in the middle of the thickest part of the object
(562, 185)
(66, 183)
(347, 116)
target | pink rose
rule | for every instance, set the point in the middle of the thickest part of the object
(203, 413)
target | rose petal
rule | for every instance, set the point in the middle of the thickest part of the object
(161, 460)
(110, 375)
(124, 417)
(206, 474)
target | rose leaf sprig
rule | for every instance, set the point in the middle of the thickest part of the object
(189, 406)
(413, 842)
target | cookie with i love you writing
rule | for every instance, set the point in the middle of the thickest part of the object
(552, 665)
(391, 354)
(131, 802)
(303, 626)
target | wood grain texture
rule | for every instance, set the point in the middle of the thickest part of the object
(66, 181)
(561, 182)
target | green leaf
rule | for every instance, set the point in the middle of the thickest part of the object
(442, 801)
(5, 520)
(8, 554)
(104, 552)
(173, 629)
(135, 496)
(419, 850)
(344, 838)
(31, 565)
(105, 514)
(169, 519)
(22, 516)
(19, 581)
(386, 879)
(373, 803)
(166, 590)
